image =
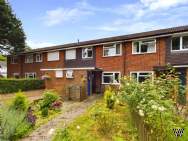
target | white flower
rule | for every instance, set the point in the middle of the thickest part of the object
(161, 108)
(141, 113)
(137, 107)
(78, 127)
(127, 84)
(154, 107)
(142, 90)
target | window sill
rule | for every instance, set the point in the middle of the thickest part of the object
(143, 53)
(110, 83)
(112, 56)
(179, 51)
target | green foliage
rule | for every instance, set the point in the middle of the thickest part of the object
(44, 111)
(109, 97)
(14, 85)
(62, 135)
(2, 58)
(155, 102)
(105, 121)
(12, 124)
(182, 95)
(48, 98)
(20, 102)
(12, 37)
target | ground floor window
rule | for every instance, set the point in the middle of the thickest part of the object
(142, 76)
(16, 75)
(111, 77)
(30, 75)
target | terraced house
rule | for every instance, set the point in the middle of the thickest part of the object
(101, 62)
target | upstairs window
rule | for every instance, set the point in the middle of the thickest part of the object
(87, 53)
(14, 60)
(111, 78)
(30, 75)
(39, 57)
(112, 50)
(70, 54)
(29, 58)
(141, 47)
(53, 56)
(141, 76)
(179, 43)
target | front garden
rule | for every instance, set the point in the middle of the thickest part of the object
(154, 110)
(18, 117)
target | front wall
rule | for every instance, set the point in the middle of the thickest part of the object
(175, 58)
(61, 84)
(114, 63)
(144, 62)
(79, 62)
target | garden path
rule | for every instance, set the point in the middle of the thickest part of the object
(70, 111)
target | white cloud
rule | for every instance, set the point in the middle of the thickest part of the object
(34, 44)
(162, 4)
(61, 15)
(147, 15)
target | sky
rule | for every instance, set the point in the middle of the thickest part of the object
(56, 22)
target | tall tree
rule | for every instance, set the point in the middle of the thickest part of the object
(12, 36)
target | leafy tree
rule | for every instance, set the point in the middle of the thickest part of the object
(12, 36)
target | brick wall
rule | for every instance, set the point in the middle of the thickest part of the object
(61, 84)
(144, 62)
(114, 63)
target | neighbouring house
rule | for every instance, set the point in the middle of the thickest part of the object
(96, 63)
(3, 69)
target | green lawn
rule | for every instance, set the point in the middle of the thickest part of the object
(85, 128)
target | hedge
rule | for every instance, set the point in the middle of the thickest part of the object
(14, 85)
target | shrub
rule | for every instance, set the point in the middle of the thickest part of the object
(109, 97)
(44, 111)
(14, 85)
(105, 121)
(48, 98)
(12, 124)
(56, 105)
(20, 102)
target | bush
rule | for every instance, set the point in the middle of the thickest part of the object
(12, 124)
(109, 97)
(62, 135)
(44, 111)
(105, 120)
(48, 98)
(14, 85)
(20, 102)
(56, 105)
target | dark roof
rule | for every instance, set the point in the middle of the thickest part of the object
(117, 38)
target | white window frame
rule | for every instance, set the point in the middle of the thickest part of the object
(86, 57)
(68, 57)
(105, 46)
(140, 42)
(16, 73)
(59, 73)
(52, 53)
(138, 72)
(40, 56)
(27, 60)
(181, 44)
(69, 77)
(31, 73)
(113, 73)
(13, 60)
